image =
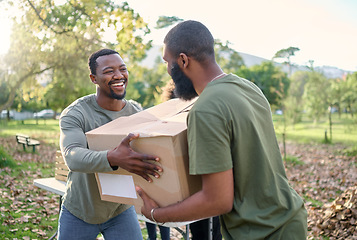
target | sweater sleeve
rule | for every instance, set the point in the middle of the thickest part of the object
(74, 147)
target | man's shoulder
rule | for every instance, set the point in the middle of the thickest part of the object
(79, 104)
(134, 105)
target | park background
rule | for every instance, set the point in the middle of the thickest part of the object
(45, 67)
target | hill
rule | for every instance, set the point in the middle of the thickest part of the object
(155, 54)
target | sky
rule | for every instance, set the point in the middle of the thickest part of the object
(325, 31)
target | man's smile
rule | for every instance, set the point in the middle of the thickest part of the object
(120, 83)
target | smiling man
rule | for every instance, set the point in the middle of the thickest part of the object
(84, 214)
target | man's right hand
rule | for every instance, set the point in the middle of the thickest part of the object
(125, 157)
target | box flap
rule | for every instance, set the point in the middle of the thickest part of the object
(165, 119)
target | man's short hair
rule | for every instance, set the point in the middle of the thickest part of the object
(92, 61)
(192, 38)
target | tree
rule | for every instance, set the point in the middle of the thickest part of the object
(338, 91)
(293, 102)
(227, 58)
(350, 96)
(316, 95)
(21, 62)
(55, 40)
(165, 21)
(273, 82)
(286, 54)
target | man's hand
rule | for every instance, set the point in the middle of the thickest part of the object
(148, 203)
(125, 157)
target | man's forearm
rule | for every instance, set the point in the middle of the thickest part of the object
(215, 198)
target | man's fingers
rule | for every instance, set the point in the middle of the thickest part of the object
(139, 190)
(145, 174)
(142, 193)
(146, 177)
(145, 157)
(153, 168)
(129, 138)
(148, 202)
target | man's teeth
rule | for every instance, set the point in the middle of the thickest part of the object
(117, 84)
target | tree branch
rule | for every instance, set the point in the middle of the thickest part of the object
(44, 21)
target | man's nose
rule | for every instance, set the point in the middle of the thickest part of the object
(118, 74)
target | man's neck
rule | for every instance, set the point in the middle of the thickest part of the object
(110, 104)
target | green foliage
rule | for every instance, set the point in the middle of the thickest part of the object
(286, 53)
(21, 62)
(165, 21)
(51, 42)
(4, 91)
(145, 85)
(316, 95)
(313, 202)
(293, 102)
(350, 151)
(273, 82)
(350, 96)
(5, 159)
(338, 91)
(227, 58)
(293, 160)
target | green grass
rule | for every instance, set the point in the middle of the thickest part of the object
(5, 159)
(313, 202)
(344, 130)
(293, 160)
(46, 130)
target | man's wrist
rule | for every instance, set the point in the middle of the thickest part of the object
(152, 213)
(112, 166)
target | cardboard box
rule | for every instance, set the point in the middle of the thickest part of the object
(163, 133)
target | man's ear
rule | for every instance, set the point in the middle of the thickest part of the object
(92, 78)
(183, 61)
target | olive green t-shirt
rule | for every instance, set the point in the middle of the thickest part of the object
(230, 126)
(82, 196)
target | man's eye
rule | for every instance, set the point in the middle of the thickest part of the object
(110, 71)
(123, 69)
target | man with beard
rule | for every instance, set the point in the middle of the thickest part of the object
(83, 214)
(232, 145)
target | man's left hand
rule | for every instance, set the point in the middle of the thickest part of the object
(149, 203)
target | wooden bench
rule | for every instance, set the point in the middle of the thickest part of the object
(61, 170)
(27, 141)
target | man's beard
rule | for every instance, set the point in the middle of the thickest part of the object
(117, 96)
(183, 85)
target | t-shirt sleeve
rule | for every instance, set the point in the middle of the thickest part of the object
(73, 143)
(208, 143)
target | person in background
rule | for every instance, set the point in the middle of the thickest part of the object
(83, 214)
(231, 144)
(164, 231)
